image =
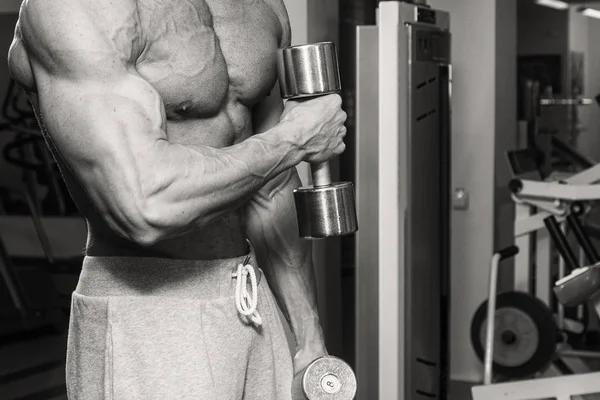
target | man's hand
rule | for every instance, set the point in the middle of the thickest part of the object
(317, 127)
(305, 355)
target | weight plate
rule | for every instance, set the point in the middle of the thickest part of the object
(327, 378)
(525, 334)
(516, 337)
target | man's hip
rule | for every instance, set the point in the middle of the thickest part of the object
(149, 328)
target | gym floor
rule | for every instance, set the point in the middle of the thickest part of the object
(32, 368)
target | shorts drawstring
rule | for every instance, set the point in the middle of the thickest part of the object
(246, 301)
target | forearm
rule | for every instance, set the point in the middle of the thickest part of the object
(284, 257)
(191, 186)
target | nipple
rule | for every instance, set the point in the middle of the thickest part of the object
(184, 107)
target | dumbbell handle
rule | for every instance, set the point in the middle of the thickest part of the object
(321, 174)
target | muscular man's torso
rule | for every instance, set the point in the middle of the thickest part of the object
(211, 61)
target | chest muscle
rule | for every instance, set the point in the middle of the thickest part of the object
(201, 55)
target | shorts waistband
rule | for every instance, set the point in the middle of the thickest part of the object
(150, 276)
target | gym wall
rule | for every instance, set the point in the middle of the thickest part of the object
(483, 126)
(549, 33)
(589, 140)
(579, 41)
(583, 35)
(543, 33)
(559, 32)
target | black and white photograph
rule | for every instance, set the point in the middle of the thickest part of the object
(299, 200)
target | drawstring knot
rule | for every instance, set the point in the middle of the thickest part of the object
(246, 301)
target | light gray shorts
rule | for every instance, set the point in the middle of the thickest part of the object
(152, 328)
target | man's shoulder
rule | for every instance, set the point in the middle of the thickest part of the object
(46, 8)
(54, 29)
(278, 7)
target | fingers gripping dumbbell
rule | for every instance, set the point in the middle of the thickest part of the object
(324, 209)
(326, 378)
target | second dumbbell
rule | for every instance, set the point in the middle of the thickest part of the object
(326, 378)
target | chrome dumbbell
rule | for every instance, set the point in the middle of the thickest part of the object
(326, 208)
(326, 378)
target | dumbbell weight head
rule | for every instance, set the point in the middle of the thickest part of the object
(326, 378)
(324, 209)
(308, 70)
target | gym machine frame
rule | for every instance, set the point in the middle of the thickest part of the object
(531, 232)
(553, 200)
(403, 195)
(533, 205)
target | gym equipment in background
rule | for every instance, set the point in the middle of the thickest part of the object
(402, 162)
(29, 152)
(533, 272)
(558, 204)
(38, 282)
(532, 101)
(325, 378)
(581, 284)
(521, 338)
(539, 230)
(540, 160)
(324, 209)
